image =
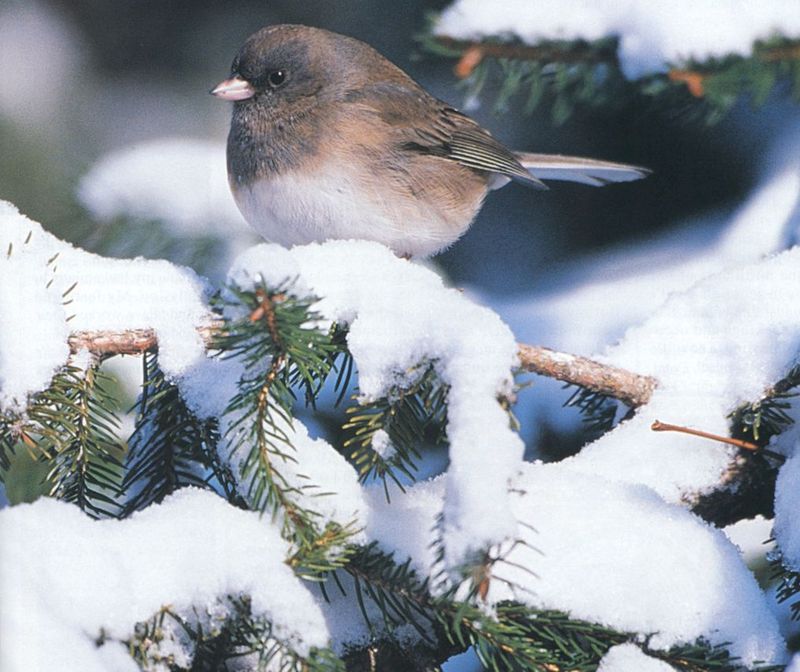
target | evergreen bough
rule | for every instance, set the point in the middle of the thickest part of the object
(566, 75)
(287, 359)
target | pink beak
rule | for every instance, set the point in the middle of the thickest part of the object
(234, 88)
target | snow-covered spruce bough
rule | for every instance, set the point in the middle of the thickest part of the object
(227, 534)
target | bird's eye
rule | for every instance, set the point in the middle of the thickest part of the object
(277, 78)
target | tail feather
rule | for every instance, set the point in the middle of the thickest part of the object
(578, 169)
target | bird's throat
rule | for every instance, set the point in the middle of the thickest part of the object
(262, 144)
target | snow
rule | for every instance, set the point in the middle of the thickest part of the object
(405, 525)
(712, 348)
(609, 545)
(652, 36)
(28, 357)
(630, 658)
(680, 343)
(753, 539)
(702, 376)
(606, 552)
(399, 315)
(618, 554)
(699, 311)
(614, 289)
(49, 288)
(180, 181)
(382, 445)
(192, 550)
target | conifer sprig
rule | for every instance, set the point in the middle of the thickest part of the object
(788, 586)
(514, 636)
(72, 427)
(409, 415)
(566, 75)
(769, 416)
(11, 437)
(228, 637)
(87, 468)
(281, 350)
(170, 447)
(598, 411)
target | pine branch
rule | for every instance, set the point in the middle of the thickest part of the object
(768, 416)
(630, 388)
(789, 586)
(563, 73)
(598, 384)
(170, 447)
(281, 350)
(572, 73)
(516, 637)
(406, 417)
(228, 636)
(12, 433)
(604, 51)
(72, 427)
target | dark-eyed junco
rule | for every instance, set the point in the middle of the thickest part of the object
(331, 140)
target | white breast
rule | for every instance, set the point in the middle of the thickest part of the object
(293, 209)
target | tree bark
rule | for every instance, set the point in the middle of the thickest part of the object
(630, 388)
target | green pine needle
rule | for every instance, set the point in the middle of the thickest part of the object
(788, 587)
(767, 417)
(170, 447)
(72, 427)
(410, 415)
(282, 351)
(599, 411)
(564, 75)
(222, 642)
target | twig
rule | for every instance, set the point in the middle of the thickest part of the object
(659, 426)
(628, 387)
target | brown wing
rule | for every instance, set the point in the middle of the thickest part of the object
(424, 125)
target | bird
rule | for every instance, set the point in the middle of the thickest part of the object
(331, 140)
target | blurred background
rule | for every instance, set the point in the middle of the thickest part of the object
(83, 79)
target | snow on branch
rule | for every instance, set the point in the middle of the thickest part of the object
(576, 55)
(651, 36)
(127, 341)
(631, 485)
(83, 612)
(48, 288)
(630, 388)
